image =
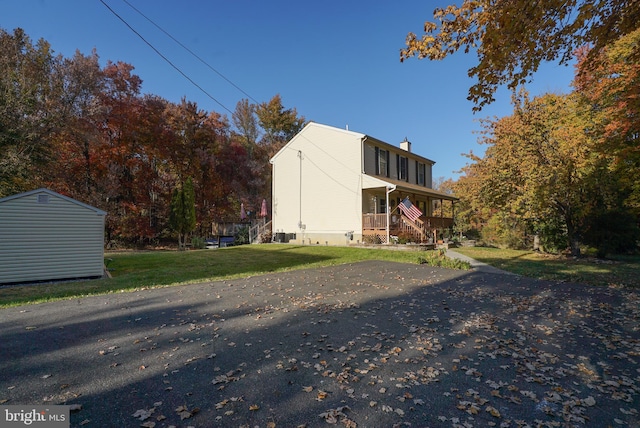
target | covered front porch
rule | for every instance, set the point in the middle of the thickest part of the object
(384, 222)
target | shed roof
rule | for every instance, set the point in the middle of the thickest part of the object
(54, 194)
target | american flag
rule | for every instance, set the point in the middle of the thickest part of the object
(409, 209)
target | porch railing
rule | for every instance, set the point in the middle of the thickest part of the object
(374, 221)
(375, 225)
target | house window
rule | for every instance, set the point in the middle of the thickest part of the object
(403, 168)
(421, 174)
(382, 162)
(422, 206)
(383, 206)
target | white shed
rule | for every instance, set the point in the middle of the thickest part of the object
(48, 236)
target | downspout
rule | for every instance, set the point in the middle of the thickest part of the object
(362, 173)
(273, 196)
(300, 195)
(390, 188)
(362, 154)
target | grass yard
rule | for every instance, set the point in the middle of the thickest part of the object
(139, 270)
(621, 271)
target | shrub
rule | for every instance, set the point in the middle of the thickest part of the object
(553, 235)
(439, 258)
(265, 238)
(242, 236)
(198, 243)
(405, 238)
(371, 239)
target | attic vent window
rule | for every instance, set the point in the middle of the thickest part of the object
(43, 199)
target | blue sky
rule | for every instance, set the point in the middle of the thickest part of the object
(336, 62)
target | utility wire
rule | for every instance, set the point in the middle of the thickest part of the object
(165, 58)
(190, 51)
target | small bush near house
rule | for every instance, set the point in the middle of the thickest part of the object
(405, 238)
(371, 239)
(197, 243)
(265, 238)
(439, 258)
(242, 236)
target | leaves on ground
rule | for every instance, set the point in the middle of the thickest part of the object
(405, 349)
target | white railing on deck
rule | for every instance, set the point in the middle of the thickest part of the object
(258, 230)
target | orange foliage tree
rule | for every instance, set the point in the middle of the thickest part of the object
(512, 37)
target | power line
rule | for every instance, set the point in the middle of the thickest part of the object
(165, 58)
(190, 51)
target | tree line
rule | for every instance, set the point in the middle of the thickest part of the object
(563, 170)
(87, 131)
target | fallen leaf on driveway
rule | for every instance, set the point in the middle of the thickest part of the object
(143, 414)
(185, 413)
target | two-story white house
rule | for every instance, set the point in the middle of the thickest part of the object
(334, 186)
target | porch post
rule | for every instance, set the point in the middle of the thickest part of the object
(389, 190)
(453, 216)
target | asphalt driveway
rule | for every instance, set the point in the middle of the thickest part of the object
(373, 344)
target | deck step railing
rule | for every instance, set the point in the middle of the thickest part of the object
(257, 231)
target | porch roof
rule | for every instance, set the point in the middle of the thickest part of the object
(370, 182)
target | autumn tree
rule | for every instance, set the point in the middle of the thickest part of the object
(279, 124)
(123, 154)
(611, 87)
(246, 122)
(26, 117)
(471, 213)
(197, 138)
(539, 166)
(72, 165)
(512, 37)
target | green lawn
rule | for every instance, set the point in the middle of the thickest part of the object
(623, 270)
(139, 270)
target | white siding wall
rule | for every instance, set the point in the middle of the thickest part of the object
(330, 173)
(56, 240)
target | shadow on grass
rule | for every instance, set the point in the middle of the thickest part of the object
(152, 269)
(622, 271)
(131, 271)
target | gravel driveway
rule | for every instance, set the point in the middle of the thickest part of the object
(372, 344)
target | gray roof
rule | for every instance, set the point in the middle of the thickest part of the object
(55, 194)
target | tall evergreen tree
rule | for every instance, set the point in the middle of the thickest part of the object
(182, 216)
